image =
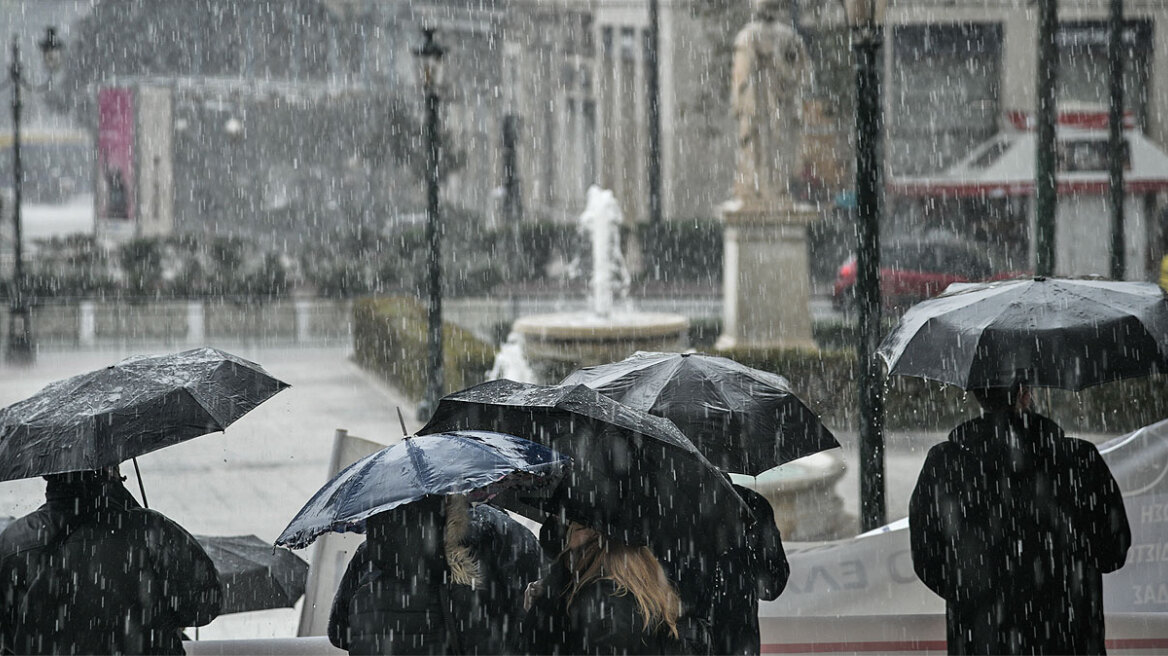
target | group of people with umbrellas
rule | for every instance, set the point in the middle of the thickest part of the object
(644, 543)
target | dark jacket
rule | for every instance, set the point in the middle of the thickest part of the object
(91, 572)
(755, 567)
(599, 620)
(1013, 524)
(395, 597)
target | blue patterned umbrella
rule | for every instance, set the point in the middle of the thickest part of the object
(478, 463)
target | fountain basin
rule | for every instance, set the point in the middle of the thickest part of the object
(557, 344)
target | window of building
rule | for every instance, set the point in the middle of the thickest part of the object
(944, 94)
(1083, 67)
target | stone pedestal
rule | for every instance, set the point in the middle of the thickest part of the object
(803, 497)
(765, 276)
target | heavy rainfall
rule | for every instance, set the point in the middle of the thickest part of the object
(584, 326)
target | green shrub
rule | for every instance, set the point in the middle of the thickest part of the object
(826, 381)
(389, 339)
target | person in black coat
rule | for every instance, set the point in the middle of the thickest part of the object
(755, 567)
(602, 597)
(1014, 524)
(92, 572)
(435, 576)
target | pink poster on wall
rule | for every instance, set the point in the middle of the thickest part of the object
(115, 154)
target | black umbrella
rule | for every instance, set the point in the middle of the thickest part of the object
(478, 462)
(254, 575)
(634, 476)
(136, 406)
(742, 419)
(1069, 334)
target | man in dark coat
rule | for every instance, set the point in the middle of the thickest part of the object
(435, 581)
(92, 572)
(1014, 524)
(754, 568)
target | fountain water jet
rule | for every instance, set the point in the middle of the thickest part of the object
(556, 344)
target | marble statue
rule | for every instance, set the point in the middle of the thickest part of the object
(769, 73)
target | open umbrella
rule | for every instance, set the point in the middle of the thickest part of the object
(1063, 333)
(634, 476)
(743, 420)
(136, 406)
(255, 576)
(477, 462)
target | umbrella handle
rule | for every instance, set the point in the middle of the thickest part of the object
(138, 474)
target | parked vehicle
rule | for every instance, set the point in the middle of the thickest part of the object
(912, 271)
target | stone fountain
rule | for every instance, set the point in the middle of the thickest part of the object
(556, 344)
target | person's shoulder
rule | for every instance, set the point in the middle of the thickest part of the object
(32, 531)
(1044, 425)
(951, 446)
(152, 517)
(1080, 448)
(601, 598)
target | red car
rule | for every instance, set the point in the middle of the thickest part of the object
(911, 272)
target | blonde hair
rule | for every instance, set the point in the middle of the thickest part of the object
(634, 570)
(464, 567)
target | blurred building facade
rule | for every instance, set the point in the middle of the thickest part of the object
(959, 74)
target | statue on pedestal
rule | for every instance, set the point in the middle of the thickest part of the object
(769, 73)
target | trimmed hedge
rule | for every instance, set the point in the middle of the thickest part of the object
(826, 380)
(389, 339)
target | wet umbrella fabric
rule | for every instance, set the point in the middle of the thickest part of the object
(1069, 334)
(457, 462)
(743, 420)
(136, 406)
(634, 476)
(254, 575)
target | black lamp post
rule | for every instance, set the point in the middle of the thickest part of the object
(866, 18)
(653, 87)
(430, 61)
(1045, 185)
(21, 348)
(1116, 146)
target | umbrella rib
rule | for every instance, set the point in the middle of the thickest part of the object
(210, 413)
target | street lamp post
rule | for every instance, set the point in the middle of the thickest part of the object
(1115, 142)
(866, 18)
(653, 87)
(21, 348)
(1045, 160)
(430, 60)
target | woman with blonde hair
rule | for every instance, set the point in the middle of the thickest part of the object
(603, 597)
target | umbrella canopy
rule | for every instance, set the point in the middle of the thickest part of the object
(1052, 332)
(454, 462)
(254, 575)
(634, 476)
(743, 420)
(136, 406)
